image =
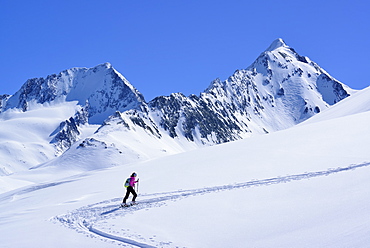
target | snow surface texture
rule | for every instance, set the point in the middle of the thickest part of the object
(105, 214)
(313, 192)
(79, 110)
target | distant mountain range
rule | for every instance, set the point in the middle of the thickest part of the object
(279, 90)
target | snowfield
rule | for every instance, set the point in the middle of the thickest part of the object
(306, 186)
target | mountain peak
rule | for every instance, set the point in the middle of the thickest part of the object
(276, 44)
(106, 65)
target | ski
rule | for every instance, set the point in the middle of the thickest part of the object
(128, 205)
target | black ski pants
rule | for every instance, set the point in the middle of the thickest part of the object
(129, 190)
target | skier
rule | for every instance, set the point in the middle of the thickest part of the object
(130, 184)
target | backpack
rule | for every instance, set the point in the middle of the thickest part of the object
(127, 183)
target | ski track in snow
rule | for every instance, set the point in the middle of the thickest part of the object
(84, 219)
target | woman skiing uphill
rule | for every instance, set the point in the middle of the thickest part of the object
(130, 184)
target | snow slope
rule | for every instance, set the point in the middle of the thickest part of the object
(25, 136)
(306, 186)
(357, 103)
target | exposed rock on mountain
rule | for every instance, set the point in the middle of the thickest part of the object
(68, 131)
(3, 99)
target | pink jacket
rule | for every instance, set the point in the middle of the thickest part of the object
(132, 181)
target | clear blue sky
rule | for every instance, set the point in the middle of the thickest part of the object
(166, 46)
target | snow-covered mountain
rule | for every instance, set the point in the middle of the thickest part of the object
(279, 90)
(101, 108)
(101, 90)
(75, 100)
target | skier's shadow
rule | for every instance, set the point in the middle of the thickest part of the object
(110, 211)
